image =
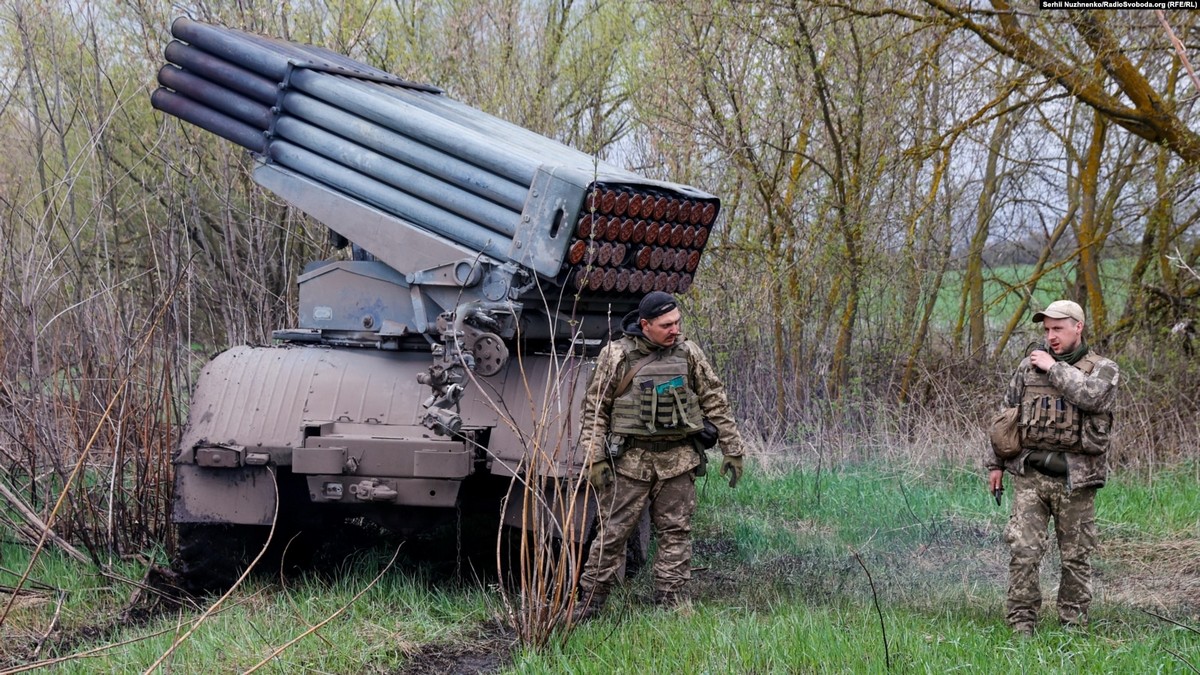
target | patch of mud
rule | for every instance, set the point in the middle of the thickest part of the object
(491, 652)
(918, 563)
(714, 547)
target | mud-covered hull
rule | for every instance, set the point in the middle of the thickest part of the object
(346, 424)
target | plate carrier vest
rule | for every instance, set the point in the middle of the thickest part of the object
(661, 403)
(1049, 421)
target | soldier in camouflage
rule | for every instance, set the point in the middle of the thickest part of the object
(1065, 393)
(647, 400)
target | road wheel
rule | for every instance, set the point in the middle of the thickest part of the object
(210, 557)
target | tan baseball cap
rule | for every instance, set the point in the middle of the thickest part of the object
(1060, 309)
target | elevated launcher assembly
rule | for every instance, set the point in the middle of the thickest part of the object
(445, 196)
(470, 236)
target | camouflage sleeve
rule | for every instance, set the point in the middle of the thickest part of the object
(597, 402)
(1095, 392)
(1016, 385)
(714, 403)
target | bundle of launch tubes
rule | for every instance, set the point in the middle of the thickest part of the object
(633, 242)
(435, 163)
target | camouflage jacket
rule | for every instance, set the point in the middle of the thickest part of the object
(640, 463)
(1095, 394)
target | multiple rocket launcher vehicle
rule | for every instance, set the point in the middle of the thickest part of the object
(486, 263)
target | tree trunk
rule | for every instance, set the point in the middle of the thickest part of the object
(1090, 244)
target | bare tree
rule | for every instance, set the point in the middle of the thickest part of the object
(1089, 55)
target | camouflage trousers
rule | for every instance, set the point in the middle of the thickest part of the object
(672, 504)
(1036, 498)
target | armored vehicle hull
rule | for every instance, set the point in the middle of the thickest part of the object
(301, 434)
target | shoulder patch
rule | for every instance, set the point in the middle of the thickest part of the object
(1108, 372)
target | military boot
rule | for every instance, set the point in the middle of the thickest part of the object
(590, 604)
(668, 599)
(1074, 625)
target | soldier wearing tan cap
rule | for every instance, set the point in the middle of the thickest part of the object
(1065, 394)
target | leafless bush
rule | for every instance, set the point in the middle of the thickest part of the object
(540, 544)
(92, 421)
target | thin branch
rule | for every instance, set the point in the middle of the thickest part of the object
(1179, 656)
(875, 598)
(1179, 49)
(62, 595)
(1163, 618)
(36, 523)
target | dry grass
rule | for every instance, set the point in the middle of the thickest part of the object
(1159, 575)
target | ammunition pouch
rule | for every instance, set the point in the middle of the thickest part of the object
(708, 436)
(1050, 423)
(660, 403)
(1048, 462)
(669, 405)
(614, 446)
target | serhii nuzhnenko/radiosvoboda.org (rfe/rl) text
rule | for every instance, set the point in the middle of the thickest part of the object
(1119, 4)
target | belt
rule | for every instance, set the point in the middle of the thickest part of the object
(659, 445)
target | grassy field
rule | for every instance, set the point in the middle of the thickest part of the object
(1001, 303)
(853, 570)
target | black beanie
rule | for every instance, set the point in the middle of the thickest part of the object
(655, 304)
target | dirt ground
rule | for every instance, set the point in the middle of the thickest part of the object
(491, 652)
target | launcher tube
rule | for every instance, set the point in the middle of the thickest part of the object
(222, 72)
(521, 139)
(215, 96)
(428, 159)
(317, 56)
(400, 176)
(372, 191)
(206, 118)
(398, 114)
(245, 53)
(267, 56)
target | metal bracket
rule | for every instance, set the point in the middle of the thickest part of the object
(460, 274)
(219, 455)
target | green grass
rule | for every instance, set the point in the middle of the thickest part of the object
(381, 630)
(1163, 504)
(793, 638)
(780, 587)
(787, 591)
(85, 592)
